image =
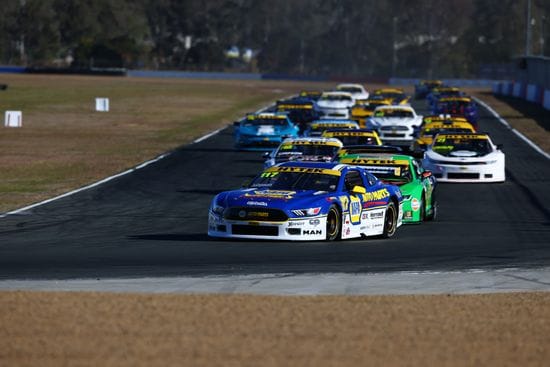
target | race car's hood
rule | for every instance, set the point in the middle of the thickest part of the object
(273, 199)
(263, 130)
(396, 121)
(463, 155)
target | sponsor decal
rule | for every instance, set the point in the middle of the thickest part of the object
(257, 203)
(312, 232)
(355, 210)
(365, 216)
(273, 194)
(348, 231)
(376, 195)
(303, 170)
(314, 222)
(415, 204)
(376, 215)
(258, 214)
(296, 223)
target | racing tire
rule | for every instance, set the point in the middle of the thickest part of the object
(422, 215)
(390, 221)
(334, 223)
(433, 213)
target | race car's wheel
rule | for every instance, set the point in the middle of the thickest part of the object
(433, 213)
(390, 221)
(334, 223)
(422, 216)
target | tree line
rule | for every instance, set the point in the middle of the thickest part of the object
(437, 38)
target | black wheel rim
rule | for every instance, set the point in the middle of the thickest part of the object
(332, 225)
(390, 220)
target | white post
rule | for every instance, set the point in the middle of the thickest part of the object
(13, 119)
(102, 104)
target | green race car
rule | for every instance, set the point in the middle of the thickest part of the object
(417, 185)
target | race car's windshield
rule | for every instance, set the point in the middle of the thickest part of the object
(335, 98)
(357, 140)
(295, 181)
(393, 113)
(451, 147)
(320, 128)
(295, 152)
(265, 122)
(446, 130)
(396, 174)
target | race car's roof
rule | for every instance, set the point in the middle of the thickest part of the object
(310, 93)
(337, 93)
(462, 136)
(349, 132)
(455, 99)
(394, 108)
(267, 115)
(295, 105)
(440, 118)
(313, 141)
(446, 89)
(389, 90)
(334, 123)
(444, 124)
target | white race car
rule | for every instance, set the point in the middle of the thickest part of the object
(356, 90)
(335, 102)
(304, 150)
(395, 125)
(465, 158)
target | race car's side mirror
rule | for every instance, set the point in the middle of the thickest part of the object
(265, 155)
(426, 174)
(358, 190)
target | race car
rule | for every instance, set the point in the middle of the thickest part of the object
(465, 158)
(312, 95)
(416, 184)
(303, 201)
(335, 102)
(395, 125)
(369, 149)
(353, 136)
(304, 149)
(363, 110)
(435, 95)
(424, 87)
(316, 128)
(257, 131)
(300, 111)
(434, 125)
(356, 90)
(462, 106)
(393, 95)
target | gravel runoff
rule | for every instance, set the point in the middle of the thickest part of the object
(399, 283)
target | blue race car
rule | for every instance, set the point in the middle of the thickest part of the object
(458, 106)
(258, 131)
(304, 201)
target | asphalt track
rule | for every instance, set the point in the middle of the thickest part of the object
(152, 223)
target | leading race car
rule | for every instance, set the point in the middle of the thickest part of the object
(304, 149)
(308, 201)
(417, 185)
(424, 87)
(257, 131)
(465, 158)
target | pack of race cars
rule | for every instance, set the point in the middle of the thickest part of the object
(348, 163)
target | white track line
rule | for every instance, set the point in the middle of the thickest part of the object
(505, 123)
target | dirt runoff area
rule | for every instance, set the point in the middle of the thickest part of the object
(54, 329)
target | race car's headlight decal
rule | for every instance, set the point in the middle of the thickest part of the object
(306, 212)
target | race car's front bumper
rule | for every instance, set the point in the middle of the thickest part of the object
(481, 172)
(300, 229)
(258, 142)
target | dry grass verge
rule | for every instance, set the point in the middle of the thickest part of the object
(53, 329)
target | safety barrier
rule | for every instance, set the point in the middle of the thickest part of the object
(530, 92)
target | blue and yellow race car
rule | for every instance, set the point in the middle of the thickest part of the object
(308, 201)
(258, 131)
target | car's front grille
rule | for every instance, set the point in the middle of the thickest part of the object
(256, 214)
(245, 229)
(389, 135)
(394, 128)
(461, 175)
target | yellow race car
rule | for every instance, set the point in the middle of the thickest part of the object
(434, 125)
(354, 137)
(395, 96)
(360, 112)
